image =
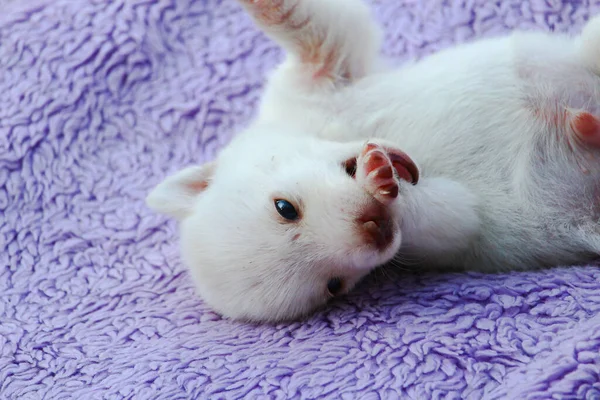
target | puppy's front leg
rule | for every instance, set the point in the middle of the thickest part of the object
(440, 220)
(439, 217)
(327, 41)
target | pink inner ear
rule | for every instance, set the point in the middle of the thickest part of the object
(197, 186)
(587, 128)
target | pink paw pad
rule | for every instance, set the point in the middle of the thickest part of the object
(275, 13)
(374, 170)
(379, 169)
(587, 128)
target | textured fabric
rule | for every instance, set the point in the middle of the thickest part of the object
(100, 100)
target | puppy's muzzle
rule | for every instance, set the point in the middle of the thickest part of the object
(375, 226)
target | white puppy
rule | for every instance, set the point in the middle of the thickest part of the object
(317, 193)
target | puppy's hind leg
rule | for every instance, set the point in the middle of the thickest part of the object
(586, 123)
(328, 42)
(589, 45)
(570, 105)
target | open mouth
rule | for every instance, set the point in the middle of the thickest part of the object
(404, 167)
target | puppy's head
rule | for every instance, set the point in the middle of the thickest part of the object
(277, 226)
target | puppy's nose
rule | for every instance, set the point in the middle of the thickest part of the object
(376, 227)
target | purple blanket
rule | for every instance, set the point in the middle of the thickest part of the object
(100, 100)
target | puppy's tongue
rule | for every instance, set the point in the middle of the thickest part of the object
(404, 166)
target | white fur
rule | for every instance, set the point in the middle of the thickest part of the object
(502, 186)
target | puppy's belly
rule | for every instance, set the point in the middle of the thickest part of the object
(537, 185)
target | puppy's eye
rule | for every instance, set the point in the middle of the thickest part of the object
(286, 209)
(350, 167)
(334, 286)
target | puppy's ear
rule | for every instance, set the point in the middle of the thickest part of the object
(176, 194)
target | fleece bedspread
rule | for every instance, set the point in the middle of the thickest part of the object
(100, 100)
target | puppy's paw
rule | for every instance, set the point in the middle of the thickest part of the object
(332, 40)
(374, 171)
(275, 13)
(586, 128)
(379, 170)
